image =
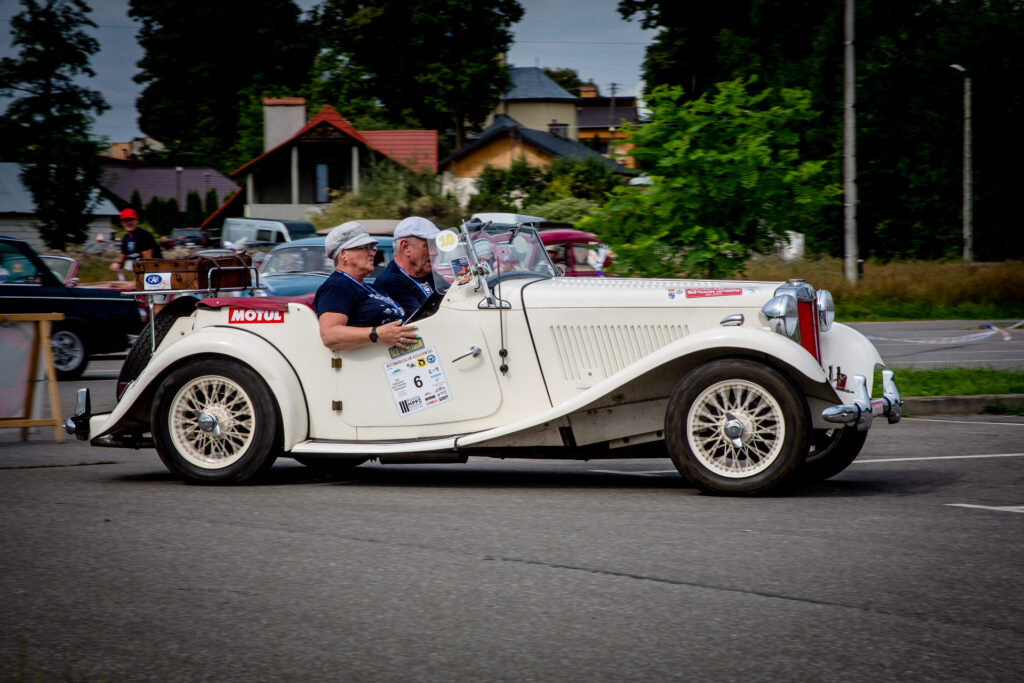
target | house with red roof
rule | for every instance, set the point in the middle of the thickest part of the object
(304, 162)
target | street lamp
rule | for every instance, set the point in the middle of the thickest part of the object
(968, 229)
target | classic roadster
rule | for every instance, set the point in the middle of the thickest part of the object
(746, 386)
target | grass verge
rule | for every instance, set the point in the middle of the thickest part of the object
(956, 382)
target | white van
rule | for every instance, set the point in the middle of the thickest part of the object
(248, 230)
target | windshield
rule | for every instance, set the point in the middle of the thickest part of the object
(308, 259)
(498, 250)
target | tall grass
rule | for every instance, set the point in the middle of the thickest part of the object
(909, 290)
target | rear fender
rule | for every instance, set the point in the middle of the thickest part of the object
(235, 344)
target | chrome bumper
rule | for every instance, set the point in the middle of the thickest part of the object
(864, 408)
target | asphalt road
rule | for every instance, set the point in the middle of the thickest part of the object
(939, 344)
(906, 566)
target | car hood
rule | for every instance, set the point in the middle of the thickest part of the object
(596, 292)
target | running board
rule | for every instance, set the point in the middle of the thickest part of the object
(372, 448)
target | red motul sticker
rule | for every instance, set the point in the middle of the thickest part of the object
(704, 292)
(248, 315)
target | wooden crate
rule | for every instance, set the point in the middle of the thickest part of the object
(193, 272)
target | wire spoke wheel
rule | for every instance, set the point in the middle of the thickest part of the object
(216, 422)
(763, 428)
(211, 422)
(736, 426)
(69, 355)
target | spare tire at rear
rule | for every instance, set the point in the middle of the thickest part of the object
(151, 336)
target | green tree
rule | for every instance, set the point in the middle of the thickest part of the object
(908, 102)
(433, 61)
(193, 209)
(727, 178)
(210, 202)
(136, 202)
(200, 59)
(60, 164)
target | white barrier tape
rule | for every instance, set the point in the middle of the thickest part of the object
(954, 340)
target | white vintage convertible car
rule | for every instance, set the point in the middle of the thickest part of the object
(746, 386)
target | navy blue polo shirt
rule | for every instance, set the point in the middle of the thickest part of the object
(362, 303)
(407, 290)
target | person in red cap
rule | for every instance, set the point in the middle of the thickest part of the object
(136, 243)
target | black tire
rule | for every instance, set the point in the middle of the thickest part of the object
(771, 417)
(832, 451)
(142, 350)
(70, 354)
(223, 394)
(329, 465)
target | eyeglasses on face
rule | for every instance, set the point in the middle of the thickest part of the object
(366, 247)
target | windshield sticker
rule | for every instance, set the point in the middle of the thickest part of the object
(463, 274)
(446, 240)
(417, 381)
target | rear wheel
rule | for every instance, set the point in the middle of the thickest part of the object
(69, 353)
(215, 422)
(832, 451)
(736, 426)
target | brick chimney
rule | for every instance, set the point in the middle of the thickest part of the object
(283, 117)
(588, 91)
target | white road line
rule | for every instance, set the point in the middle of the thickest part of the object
(963, 422)
(940, 457)
(997, 508)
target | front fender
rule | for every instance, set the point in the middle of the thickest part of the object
(236, 344)
(677, 358)
(845, 352)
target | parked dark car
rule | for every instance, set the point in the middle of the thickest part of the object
(95, 321)
(185, 237)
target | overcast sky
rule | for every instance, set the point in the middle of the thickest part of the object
(586, 35)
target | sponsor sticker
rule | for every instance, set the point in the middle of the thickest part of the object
(417, 382)
(249, 315)
(156, 281)
(705, 292)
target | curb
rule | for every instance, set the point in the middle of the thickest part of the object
(959, 405)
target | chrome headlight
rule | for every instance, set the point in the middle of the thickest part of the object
(826, 310)
(780, 314)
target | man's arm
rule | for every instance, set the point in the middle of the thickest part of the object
(336, 333)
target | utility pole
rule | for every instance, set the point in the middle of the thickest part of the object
(968, 195)
(612, 87)
(849, 151)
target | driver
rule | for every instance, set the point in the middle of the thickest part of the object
(353, 313)
(407, 278)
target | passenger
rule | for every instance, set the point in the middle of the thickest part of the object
(407, 278)
(351, 312)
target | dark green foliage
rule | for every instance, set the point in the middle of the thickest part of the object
(53, 115)
(200, 60)
(210, 202)
(193, 210)
(523, 185)
(432, 61)
(136, 202)
(909, 103)
(727, 179)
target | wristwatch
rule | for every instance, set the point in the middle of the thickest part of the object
(373, 335)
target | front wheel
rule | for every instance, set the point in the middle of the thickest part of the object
(736, 426)
(69, 354)
(215, 422)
